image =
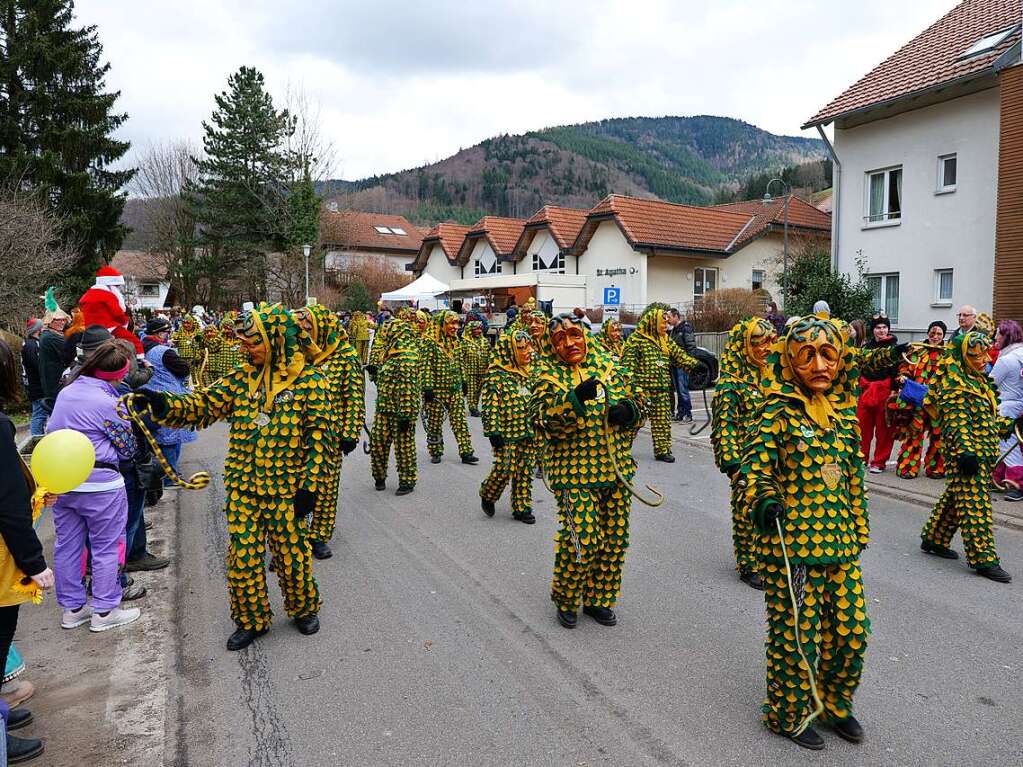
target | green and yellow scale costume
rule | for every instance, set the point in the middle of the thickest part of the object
(506, 415)
(474, 355)
(804, 455)
(226, 354)
(396, 354)
(648, 355)
(184, 339)
(738, 397)
(614, 346)
(328, 350)
(442, 376)
(280, 427)
(358, 331)
(965, 404)
(580, 453)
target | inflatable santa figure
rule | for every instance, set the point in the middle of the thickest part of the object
(103, 304)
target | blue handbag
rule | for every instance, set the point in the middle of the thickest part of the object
(913, 393)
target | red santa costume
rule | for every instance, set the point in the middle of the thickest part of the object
(103, 304)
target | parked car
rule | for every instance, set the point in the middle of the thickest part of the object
(705, 377)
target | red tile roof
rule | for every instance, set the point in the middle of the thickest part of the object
(803, 215)
(932, 58)
(140, 265)
(449, 236)
(356, 230)
(563, 224)
(502, 234)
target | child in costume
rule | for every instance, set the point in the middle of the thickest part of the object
(444, 388)
(965, 401)
(917, 423)
(396, 366)
(588, 415)
(326, 347)
(802, 467)
(506, 423)
(275, 468)
(474, 357)
(737, 399)
(648, 355)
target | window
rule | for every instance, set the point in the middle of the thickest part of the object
(885, 293)
(884, 196)
(759, 278)
(943, 286)
(399, 231)
(487, 264)
(555, 262)
(988, 42)
(149, 290)
(705, 279)
(382, 229)
(947, 171)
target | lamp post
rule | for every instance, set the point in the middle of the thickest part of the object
(787, 191)
(305, 252)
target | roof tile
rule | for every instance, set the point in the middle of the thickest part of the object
(356, 230)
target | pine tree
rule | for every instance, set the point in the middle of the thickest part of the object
(56, 122)
(240, 201)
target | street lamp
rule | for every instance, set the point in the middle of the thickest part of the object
(305, 252)
(787, 191)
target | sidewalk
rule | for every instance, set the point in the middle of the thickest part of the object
(921, 491)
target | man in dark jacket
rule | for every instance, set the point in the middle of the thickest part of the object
(51, 355)
(681, 332)
(33, 386)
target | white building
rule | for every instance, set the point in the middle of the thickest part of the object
(146, 285)
(919, 141)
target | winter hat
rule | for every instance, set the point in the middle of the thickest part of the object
(938, 324)
(882, 320)
(93, 337)
(822, 307)
(33, 326)
(157, 325)
(53, 310)
(108, 276)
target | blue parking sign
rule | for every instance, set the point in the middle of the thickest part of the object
(612, 296)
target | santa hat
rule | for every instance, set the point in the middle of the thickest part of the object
(107, 276)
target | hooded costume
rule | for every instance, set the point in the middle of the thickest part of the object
(506, 422)
(395, 357)
(358, 331)
(965, 402)
(649, 354)
(443, 389)
(614, 346)
(103, 304)
(737, 399)
(276, 463)
(184, 340)
(474, 355)
(916, 422)
(225, 352)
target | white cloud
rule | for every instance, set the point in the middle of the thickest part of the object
(402, 83)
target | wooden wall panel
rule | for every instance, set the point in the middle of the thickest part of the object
(1008, 286)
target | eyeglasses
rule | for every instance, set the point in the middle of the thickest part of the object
(967, 314)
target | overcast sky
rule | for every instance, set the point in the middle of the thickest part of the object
(404, 83)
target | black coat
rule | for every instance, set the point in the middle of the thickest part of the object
(16, 506)
(51, 364)
(30, 361)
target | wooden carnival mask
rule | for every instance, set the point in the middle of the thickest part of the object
(568, 339)
(814, 357)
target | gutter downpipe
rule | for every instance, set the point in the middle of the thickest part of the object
(836, 184)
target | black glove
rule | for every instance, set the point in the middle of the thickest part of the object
(765, 514)
(620, 414)
(731, 469)
(969, 465)
(587, 390)
(496, 441)
(465, 388)
(372, 370)
(305, 502)
(427, 395)
(404, 425)
(348, 445)
(899, 350)
(155, 400)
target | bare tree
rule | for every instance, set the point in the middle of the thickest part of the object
(32, 256)
(308, 143)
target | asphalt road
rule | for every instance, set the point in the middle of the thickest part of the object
(439, 643)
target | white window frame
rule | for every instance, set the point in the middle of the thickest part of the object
(145, 286)
(886, 218)
(558, 268)
(885, 277)
(940, 186)
(497, 268)
(703, 282)
(753, 279)
(940, 300)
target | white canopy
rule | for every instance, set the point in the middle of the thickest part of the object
(425, 287)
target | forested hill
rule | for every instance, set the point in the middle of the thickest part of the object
(697, 160)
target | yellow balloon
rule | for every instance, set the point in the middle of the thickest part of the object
(63, 460)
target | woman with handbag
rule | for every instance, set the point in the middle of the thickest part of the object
(919, 424)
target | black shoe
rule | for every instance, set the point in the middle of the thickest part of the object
(567, 618)
(938, 551)
(470, 458)
(994, 573)
(605, 616)
(307, 625)
(321, 550)
(474, 413)
(808, 738)
(666, 458)
(404, 489)
(434, 459)
(752, 579)
(18, 718)
(380, 485)
(242, 638)
(848, 729)
(22, 749)
(488, 507)
(146, 562)
(525, 518)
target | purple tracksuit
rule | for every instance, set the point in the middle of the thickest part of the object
(99, 506)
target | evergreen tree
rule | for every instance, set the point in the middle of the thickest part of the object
(240, 200)
(357, 298)
(56, 122)
(303, 212)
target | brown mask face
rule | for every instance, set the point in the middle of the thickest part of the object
(977, 358)
(451, 326)
(569, 342)
(662, 324)
(936, 335)
(422, 323)
(614, 332)
(523, 352)
(251, 339)
(759, 341)
(535, 326)
(814, 360)
(304, 319)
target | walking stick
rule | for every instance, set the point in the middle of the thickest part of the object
(369, 436)
(126, 409)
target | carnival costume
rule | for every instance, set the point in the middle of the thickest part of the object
(326, 347)
(610, 337)
(737, 399)
(588, 415)
(965, 402)
(396, 367)
(915, 423)
(648, 355)
(225, 353)
(358, 331)
(184, 338)
(103, 304)
(474, 355)
(444, 388)
(804, 478)
(507, 424)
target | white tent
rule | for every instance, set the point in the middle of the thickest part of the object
(424, 288)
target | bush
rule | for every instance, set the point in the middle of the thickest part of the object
(720, 310)
(357, 298)
(811, 279)
(377, 275)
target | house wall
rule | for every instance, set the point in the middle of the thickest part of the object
(337, 259)
(608, 249)
(481, 250)
(131, 289)
(546, 247)
(936, 231)
(437, 265)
